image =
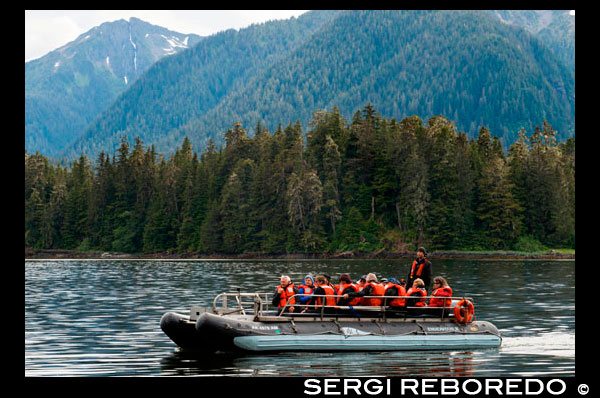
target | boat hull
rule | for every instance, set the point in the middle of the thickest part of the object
(366, 343)
(212, 332)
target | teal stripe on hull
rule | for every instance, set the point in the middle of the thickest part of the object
(366, 343)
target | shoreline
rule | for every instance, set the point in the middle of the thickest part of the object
(53, 254)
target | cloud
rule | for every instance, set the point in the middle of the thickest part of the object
(48, 30)
(44, 34)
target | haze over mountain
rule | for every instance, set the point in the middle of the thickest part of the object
(556, 28)
(67, 88)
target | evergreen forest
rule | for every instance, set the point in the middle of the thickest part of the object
(365, 185)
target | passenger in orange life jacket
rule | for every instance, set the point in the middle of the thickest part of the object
(372, 288)
(394, 288)
(441, 289)
(421, 268)
(322, 289)
(307, 289)
(284, 294)
(362, 282)
(417, 290)
(328, 283)
(346, 286)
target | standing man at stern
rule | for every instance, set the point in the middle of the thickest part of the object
(421, 268)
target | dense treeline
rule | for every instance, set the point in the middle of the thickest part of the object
(365, 185)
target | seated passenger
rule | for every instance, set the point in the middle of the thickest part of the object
(306, 289)
(322, 289)
(372, 288)
(393, 288)
(284, 294)
(417, 290)
(347, 286)
(361, 282)
(441, 289)
(328, 282)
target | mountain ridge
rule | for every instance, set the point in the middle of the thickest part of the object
(466, 65)
(202, 93)
(68, 87)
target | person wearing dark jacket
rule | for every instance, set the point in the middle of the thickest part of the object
(421, 268)
(393, 288)
(346, 286)
(371, 289)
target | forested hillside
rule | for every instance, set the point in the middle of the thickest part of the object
(467, 65)
(366, 184)
(556, 28)
(184, 87)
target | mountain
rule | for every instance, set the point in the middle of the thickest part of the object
(67, 88)
(184, 87)
(466, 65)
(556, 28)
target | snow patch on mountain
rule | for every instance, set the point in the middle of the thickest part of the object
(174, 42)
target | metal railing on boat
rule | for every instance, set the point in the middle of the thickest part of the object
(260, 306)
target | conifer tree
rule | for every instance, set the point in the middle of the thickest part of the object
(331, 171)
(74, 227)
(443, 183)
(498, 211)
(235, 207)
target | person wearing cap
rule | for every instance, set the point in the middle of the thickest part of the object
(393, 288)
(372, 288)
(306, 289)
(421, 268)
(346, 286)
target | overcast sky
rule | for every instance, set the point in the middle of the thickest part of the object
(48, 30)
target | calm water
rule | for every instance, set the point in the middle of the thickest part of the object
(101, 318)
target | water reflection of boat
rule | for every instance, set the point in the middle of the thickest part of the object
(249, 325)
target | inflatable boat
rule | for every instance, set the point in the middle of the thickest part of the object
(249, 325)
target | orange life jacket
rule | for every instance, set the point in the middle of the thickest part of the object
(355, 300)
(287, 293)
(418, 292)
(378, 290)
(419, 271)
(397, 302)
(335, 288)
(329, 299)
(441, 292)
(307, 289)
